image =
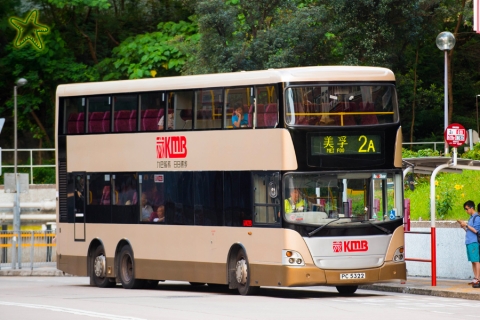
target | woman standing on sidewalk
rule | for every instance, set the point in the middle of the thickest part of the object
(472, 227)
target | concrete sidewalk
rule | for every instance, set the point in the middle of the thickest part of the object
(414, 285)
(36, 272)
(423, 286)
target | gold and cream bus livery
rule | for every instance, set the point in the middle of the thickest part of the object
(283, 177)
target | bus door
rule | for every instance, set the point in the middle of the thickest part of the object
(81, 192)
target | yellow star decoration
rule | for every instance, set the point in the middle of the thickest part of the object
(28, 30)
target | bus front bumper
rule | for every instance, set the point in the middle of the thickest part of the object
(310, 275)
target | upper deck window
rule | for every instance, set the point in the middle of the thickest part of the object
(99, 110)
(208, 109)
(341, 105)
(74, 113)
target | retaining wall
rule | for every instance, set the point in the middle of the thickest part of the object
(452, 260)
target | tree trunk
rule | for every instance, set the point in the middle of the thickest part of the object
(42, 128)
(414, 96)
(450, 64)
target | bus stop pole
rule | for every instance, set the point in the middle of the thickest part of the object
(433, 243)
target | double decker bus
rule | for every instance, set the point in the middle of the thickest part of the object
(283, 177)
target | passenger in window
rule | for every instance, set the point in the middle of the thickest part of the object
(159, 215)
(295, 203)
(79, 194)
(146, 208)
(156, 195)
(239, 119)
(170, 122)
(128, 194)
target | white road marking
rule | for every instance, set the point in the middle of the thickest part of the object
(68, 310)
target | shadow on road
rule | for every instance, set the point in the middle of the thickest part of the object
(289, 293)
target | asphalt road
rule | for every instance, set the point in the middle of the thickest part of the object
(63, 298)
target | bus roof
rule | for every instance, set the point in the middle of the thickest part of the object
(244, 78)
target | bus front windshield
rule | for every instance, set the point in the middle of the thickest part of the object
(341, 105)
(318, 199)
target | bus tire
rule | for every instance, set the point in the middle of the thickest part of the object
(126, 269)
(243, 274)
(347, 290)
(98, 268)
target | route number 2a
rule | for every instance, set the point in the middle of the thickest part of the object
(367, 145)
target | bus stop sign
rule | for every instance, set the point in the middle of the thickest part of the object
(455, 135)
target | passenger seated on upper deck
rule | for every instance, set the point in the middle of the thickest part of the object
(170, 122)
(295, 203)
(239, 119)
(159, 215)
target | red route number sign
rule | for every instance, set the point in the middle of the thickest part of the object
(455, 135)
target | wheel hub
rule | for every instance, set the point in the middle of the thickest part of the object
(241, 271)
(99, 266)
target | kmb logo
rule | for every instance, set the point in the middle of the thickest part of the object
(350, 246)
(171, 147)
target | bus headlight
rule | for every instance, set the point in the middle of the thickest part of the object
(399, 255)
(292, 258)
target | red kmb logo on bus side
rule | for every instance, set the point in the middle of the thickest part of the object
(350, 246)
(171, 147)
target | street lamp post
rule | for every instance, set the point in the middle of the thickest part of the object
(19, 83)
(445, 42)
(16, 213)
(476, 106)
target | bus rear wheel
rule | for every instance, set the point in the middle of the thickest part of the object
(243, 274)
(98, 267)
(126, 269)
(347, 290)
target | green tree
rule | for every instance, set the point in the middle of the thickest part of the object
(160, 52)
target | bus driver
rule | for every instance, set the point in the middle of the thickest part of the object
(294, 203)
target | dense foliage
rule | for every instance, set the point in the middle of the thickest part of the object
(95, 40)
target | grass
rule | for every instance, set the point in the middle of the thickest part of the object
(452, 190)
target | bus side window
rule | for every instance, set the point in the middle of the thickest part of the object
(152, 190)
(99, 209)
(266, 198)
(236, 98)
(74, 108)
(267, 107)
(99, 114)
(124, 106)
(183, 105)
(152, 111)
(208, 109)
(237, 198)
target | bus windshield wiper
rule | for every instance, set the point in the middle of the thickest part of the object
(321, 227)
(378, 227)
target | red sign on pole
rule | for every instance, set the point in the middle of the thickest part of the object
(455, 135)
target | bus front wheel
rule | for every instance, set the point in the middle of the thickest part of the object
(347, 290)
(98, 267)
(242, 275)
(126, 268)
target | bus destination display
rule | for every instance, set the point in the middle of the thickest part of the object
(345, 144)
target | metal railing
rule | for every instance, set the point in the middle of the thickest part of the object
(31, 166)
(405, 144)
(32, 249)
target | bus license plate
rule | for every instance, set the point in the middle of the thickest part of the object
(350, 276)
